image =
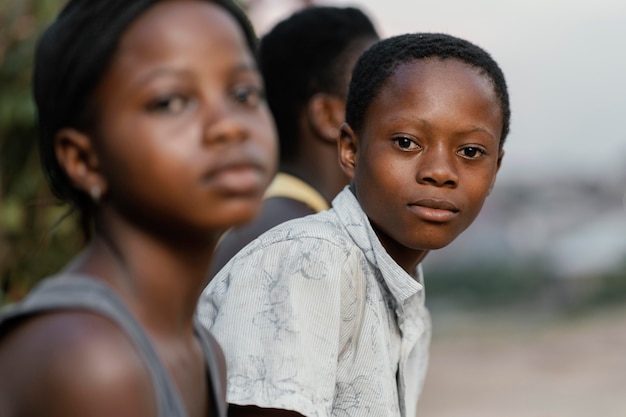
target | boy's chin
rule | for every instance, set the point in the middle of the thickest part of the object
(432, 244)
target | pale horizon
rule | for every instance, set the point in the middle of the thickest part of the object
(565, 66)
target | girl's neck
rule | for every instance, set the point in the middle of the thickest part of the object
(158, 280)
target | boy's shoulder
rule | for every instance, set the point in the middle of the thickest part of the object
(327, 235)
(324, 226)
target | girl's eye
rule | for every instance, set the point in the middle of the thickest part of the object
(405, 143)
(248, 95)
(170, 104)
(471, 152)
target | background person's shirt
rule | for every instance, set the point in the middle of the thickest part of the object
(314, 316)
(287, 197)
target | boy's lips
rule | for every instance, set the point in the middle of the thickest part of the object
(436, 204)
(432, 210)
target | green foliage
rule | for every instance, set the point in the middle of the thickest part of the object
(528, 284)
(30, 247)
(487, 285)
(610, 288)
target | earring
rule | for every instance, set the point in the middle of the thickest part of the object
(96, 193)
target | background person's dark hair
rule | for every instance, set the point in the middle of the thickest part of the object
(380, 61)
(305, 54)
(71, 57)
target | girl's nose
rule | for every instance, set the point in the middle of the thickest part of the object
(223, 124)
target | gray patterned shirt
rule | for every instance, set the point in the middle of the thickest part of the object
(314, 316)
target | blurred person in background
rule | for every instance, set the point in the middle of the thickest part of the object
(264, 14)
(306, 61)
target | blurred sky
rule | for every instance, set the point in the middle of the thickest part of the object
(565, 64)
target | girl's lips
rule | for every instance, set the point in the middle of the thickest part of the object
(439, 211)
(237, 178)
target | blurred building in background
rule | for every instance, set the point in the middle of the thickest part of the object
(563, 237)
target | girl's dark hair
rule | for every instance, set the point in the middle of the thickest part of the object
(305, 54)
(71, 57)
(380, 61)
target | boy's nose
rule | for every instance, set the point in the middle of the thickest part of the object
(437, 168)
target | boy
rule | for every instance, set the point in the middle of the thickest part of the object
(325, 315)
(306, 61)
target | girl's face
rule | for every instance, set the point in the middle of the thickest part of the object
(427, 155)
(184, 137)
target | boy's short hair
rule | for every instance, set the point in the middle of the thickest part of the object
(306, 54)
(380, 61)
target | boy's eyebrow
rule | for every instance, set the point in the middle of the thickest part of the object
(477, 129)
(469, 130)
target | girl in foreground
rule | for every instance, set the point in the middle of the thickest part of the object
(153, 125)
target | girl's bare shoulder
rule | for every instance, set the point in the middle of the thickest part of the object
(72, 363)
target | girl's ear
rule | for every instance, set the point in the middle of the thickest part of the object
(348, 145)
(325, 113)
(77, 157)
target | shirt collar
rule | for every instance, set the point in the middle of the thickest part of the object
(401, 284)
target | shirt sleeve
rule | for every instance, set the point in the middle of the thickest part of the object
(277, 314)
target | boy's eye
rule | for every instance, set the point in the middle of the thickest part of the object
(248, 95)
(170, 104)
(471, 152)
(405, 143)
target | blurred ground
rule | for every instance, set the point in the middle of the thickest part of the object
(527, 364)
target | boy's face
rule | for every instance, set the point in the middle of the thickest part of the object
(427, 156)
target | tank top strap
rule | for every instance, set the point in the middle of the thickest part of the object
(71, 291)
(216, 369)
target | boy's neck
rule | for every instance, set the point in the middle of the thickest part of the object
(407, 259)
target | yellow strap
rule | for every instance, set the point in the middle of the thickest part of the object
(285, 185)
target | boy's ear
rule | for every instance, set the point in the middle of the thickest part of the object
(348, 146)
(326, 114)
(499, 163)
(77, 157)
